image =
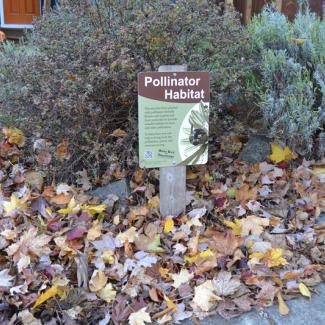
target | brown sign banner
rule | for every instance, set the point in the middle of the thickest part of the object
(175, 87)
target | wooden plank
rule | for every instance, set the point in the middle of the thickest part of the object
(247, 11)
(172, 179)
(278, 4)
(47, 5)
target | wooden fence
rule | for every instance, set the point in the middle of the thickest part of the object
(290, 7)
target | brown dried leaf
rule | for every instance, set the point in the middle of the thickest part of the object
(225, 243)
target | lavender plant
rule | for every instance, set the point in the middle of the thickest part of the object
(290, 74)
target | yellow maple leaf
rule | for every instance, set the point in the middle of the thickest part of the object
(272, 257)
(235, 226)
(163, 272)
(14, 136)
(304, 290)
(279, 154)
(202, 255)
(14, 204)
(94, 209)
(169, 225)
(50, 293)
(170, 304)
(72, 207)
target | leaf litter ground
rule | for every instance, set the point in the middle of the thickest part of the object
(250, 237)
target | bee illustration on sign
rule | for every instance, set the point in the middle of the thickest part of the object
(194, 135)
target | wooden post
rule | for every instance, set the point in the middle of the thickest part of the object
(172, 179)
(229, 4)
(47, 5)
(278, 4)
(247, 11)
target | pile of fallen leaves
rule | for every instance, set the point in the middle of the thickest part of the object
(250, 236)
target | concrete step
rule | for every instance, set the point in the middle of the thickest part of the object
(302, 312)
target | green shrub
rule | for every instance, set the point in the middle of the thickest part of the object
(75, 77)
(289, 75)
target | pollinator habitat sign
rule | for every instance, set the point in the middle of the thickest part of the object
(173, 112)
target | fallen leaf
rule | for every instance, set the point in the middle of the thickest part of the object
(129, 235)
(204, 295)
(14, 204)
(299, 41)
(119, 133)
(98, 281)
(273, 257)
(63, 188)
(170, 304)
(154, 246)
(138, 211)
(27, 318)
(9, 234)
(60, 199)
(279, 154)
(94, 232)
(283, 307)
(48, 294)
(107, 293)
(199, 257)
(304, 290)
(5, 278)
(245, 194)
(225, 285)
(235, 226)
(154, 203)
(224, 243)
(140, 317)
(62, 150)
(94, 209)
(14, 136)
(75, 233)
(319, 170)
(29, 243)
(253, 225)
(190, 175)
(195, 221)
(183, 277)
(83, 180)
(34, 179)
(43, 157)
(169, 225)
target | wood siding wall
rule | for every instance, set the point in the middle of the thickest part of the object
(290, 7)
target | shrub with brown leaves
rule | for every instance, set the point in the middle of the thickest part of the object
(75, 77)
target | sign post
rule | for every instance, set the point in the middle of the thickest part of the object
(173, 128)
